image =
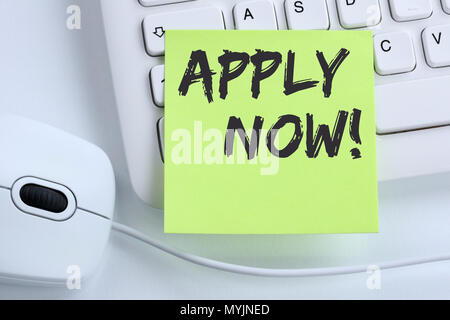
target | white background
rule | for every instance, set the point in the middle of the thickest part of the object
(62, 77)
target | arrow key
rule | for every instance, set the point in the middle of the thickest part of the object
(159, 32)
(157, 83)
(155, 25)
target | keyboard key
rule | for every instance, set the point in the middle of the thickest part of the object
(394, 53)
(358, 13)
(155, 25)
(407, 10)
(157, 83)
(307, 14)
(150, 3)
(160, 133)
(436, 43)
(412, 105)
(446, 5)
(255, 15)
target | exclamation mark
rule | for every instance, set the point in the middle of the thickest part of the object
(355, 118)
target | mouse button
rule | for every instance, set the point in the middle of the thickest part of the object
(95, 188)
(27, 149)
(43, 198)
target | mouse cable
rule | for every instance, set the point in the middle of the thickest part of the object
(268, 272)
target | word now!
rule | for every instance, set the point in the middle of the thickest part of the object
(314, 137)
(199, 58)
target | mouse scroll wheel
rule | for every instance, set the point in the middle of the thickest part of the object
(43, 198)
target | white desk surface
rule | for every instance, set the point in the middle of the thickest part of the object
(62, 77)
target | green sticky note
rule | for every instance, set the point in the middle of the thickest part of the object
(269, 132)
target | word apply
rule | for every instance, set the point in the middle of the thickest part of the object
(272, 59)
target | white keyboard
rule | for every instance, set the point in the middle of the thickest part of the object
(412, 71)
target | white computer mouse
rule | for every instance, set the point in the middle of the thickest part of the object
(57, 196)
